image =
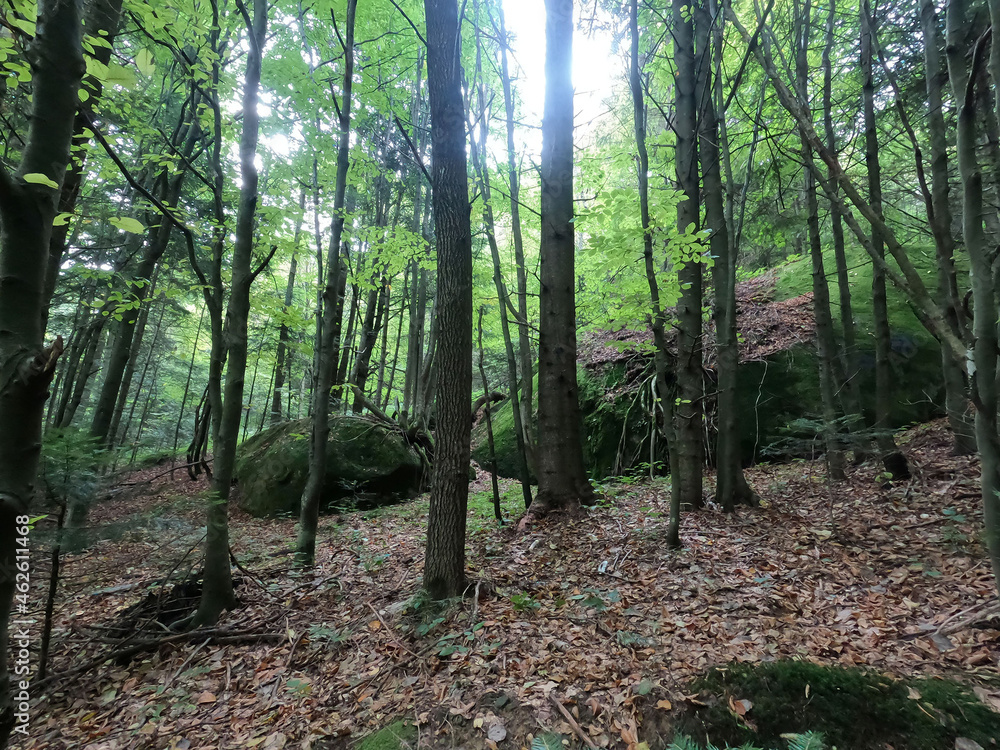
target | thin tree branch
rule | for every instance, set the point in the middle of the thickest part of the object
(166, 212)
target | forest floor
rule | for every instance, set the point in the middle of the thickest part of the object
(592, 613)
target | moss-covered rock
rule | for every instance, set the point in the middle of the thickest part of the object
(853, 708)
(364, 458)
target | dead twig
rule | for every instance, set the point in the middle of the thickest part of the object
(584, 737)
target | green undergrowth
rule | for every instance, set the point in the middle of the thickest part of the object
(795, 278)
(853, 709)
(397, 736)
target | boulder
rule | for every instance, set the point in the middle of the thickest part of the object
(369, 463)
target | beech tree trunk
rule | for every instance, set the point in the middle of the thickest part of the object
(26, 213)
(444, 563)
(217, 581)
(940, 218)
(661, 356)
(328, 335)
(986, 350)
(478, 151)
(514, 179)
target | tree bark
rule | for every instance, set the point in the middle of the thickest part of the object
(478, 152)
(26, 214)
(217, 581)
(444, 563)
(940, 219)
(329, 332)
(513, 177)
(731, 485)
(893, 461)
(825, 343)
(661, 356)
(689, 412)
(986, 350)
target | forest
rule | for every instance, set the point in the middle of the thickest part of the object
(382, 374)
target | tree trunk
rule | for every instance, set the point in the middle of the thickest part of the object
(825, 343)
(101, 21)
(986, 350)
(513, 177)
(661, 357)
(940, 219)
(478, 151)
(892, 459)
(283, 332)
(217, 586)
(851, 390)
(328, 334)
(26, 214)
(562, 479)
(731, 485)
(444, 564)
(690, 384)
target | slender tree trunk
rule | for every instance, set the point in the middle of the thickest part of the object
(88, 367)
(283, 331)
(478, 151)
(986, 351)
(26, 214)
(661, 357)
(370, 327)
(731, 487)
(825, 343)
(187, 390)
(892, 459)
(851, 391)
(217, 587)
(513, 177)
(444, 563)
(955, 381)
(328, 334)
(690, 384)
(487, 415)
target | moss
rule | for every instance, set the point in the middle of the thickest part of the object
(364, 457)
(504, 440)
(397, 736)
(853, 708)
(791, 390)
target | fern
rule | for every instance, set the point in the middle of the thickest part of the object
(807, 741)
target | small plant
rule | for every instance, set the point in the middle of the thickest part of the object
(524, 603)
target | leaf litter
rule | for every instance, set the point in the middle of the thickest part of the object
(587, 626)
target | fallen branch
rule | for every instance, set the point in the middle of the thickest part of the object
(214, 635)
(572, 722)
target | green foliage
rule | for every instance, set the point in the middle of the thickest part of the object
(852, 708)
(396, 736)
(70, 465)
(807, 741)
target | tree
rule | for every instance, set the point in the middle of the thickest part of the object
(28, 206)
(562, 479)
(229, 343)
(444, 562)
(689, 412)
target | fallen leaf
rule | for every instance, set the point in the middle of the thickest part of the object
(664, 704)
(206, 697)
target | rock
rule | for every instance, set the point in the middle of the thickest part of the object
(368, 463)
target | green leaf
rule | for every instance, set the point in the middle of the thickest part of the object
(37, 178)
(145, 63)
(62, 219)
(128, 224)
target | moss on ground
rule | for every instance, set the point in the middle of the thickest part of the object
(399, 735)
(853, 708)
